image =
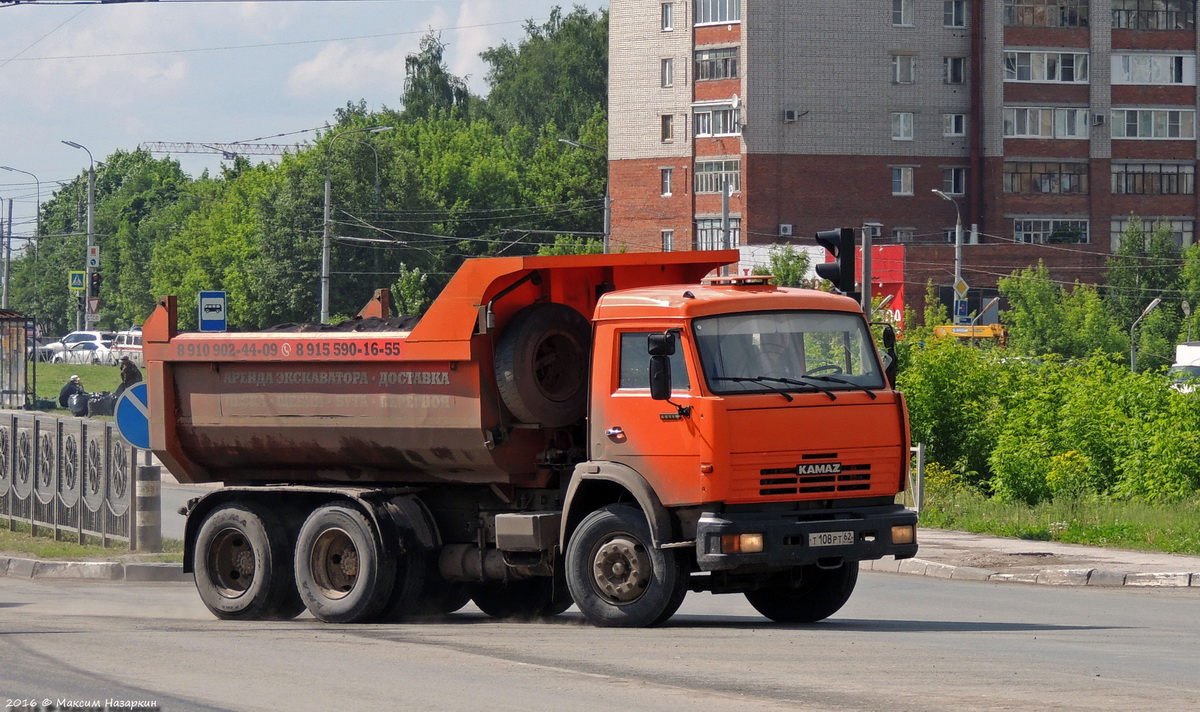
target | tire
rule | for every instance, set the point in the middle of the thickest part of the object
(541, 365)
(617, 577)
(818, 594)
(342, 571)
(416, 576)
(243, 565)
(441, 598)
(524, 599)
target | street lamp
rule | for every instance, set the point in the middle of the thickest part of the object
(37, 229)
(958, 241)
(607, 218)
(91, 218)
(325, 238)
(1132, 343)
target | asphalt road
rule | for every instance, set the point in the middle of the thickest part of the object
(902, 643)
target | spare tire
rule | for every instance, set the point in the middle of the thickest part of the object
(541, 365)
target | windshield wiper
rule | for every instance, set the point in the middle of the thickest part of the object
(803, 384)
(835, 379)
(762, 380)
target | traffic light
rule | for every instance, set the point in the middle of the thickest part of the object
(840, 243)
(94, 289)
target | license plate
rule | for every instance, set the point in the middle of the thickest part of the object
(831, 539)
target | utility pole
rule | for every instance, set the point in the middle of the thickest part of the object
(7, 254)
(91, 223)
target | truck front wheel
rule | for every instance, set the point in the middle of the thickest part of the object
(616, 575)
(818, 594)
(243, 566)
(342, 570)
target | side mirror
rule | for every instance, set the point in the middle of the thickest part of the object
(890, 362)
(889, 337)
(661, 344)
(660, 376)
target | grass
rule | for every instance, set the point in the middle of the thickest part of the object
(51, 377)
(1172, 528)
(43, 546)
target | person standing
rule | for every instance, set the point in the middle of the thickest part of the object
(130, 374)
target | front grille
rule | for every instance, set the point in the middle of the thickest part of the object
(785, 480)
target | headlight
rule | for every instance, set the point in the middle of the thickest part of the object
(741, 543)
(904, 534)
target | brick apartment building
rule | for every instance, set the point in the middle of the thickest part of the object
(1047, 122)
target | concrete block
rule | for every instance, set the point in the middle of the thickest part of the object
(1064, 577)
(88, 570)
(971, 573)
(1163, 579)
(1028, 577)
(1107, 577)
(937, 570)
(889, 565)
(913, 566)
(156, 572)
(21, 568)
(3, 565)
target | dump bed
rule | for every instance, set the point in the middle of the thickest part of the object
(400, 407)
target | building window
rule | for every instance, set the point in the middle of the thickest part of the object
(1154, 69)
(711, 176)
(954, 124)
(668, 128)
(902, 126)
(902, 180)
(954, 13)
(668, 16)
(1043, 177)
(714, 11)
(1154, 14)
(1153, 178)
(717, 120)
(1182, 231)
(1046, 13)
(666, 176)
(1154, 123)
(1022, 122)
(954, 181)
(954, 70)
(716, 63)
(904, 68)
(709, 235)
(950, 235)
(904, 234)
(902, 12)
(1066, 67)
(668, 240)
(1039, 231)
(667, 72)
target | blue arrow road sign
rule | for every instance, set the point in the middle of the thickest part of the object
(133, 416)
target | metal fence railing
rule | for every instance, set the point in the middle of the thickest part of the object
(73, 476)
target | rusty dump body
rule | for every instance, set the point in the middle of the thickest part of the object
(380, 407)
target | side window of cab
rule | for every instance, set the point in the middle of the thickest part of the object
(635, 363)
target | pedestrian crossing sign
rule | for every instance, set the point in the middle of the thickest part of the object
(76, 281)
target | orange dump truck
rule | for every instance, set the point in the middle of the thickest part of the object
(605, 430)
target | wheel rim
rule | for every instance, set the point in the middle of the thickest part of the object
(231, 563)
(621, 569)
(555, 366)
(335, 563)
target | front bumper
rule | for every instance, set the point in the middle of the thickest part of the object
(786, 540)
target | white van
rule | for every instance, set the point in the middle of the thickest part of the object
(127, 343)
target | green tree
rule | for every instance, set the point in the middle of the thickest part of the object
(430, 90)
(788, 265)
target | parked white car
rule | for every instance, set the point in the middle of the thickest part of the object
(85, 352)
(71, 343)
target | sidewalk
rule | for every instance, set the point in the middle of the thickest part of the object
(942, 554)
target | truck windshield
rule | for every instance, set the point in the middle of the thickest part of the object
(790, 351)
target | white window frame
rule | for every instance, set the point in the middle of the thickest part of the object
(716, 119)
(668, 16)
(668, 240)
(1046, 67)
(1155, 124)
(954, 180)
(667, 128)
(709, 237)
(1046, 122)
(1183, 230)
(1150, 69)
(954, 13)
(903, 12)
(715, 63)
(710, 175)
(718, 12)
(902, 125)
(1153, 178)
(902, 180)
(954, 124)
(666, 177)
(904, 234)
(904, 69)
(666, 70)
(1035, 230)
(954, 70)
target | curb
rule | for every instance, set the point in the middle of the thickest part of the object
(91, 570)
(1047, 577)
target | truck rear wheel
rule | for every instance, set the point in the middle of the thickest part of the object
(541, 365)
(818, 594)
(616, 575)
(342, 571)
(243, 566)
(527, 598)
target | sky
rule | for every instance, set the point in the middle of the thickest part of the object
(110, 77)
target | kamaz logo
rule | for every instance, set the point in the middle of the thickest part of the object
(821, 468)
